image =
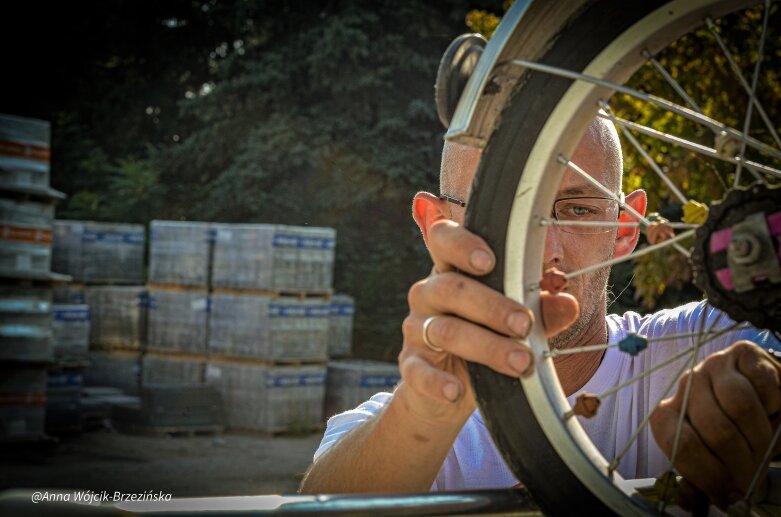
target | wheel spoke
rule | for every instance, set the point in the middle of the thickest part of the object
(753, 93)
(662, 103)
(604, 346)
(762, 465)
(672, 82)
(622, 202)
(617, 460)
(686, 397)
(693, 146)
(632, 380)
(642, 251)
(651, 163)
(609, 224)
(742, 80)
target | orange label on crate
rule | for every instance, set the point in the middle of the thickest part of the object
(29, 151)
(21, 234)
(23, 399)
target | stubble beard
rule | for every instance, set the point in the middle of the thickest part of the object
(593, 298)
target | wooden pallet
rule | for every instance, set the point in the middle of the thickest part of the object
(162, 353)
(175, 287)
(120, 349)
(229, 359)
(325, 294)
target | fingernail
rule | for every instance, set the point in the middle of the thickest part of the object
(519, 361)
(450, 391)
(481, 260)
(518, 323)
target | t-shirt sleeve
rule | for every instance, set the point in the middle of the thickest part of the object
(339, 425)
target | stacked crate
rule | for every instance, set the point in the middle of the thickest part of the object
(106, 262)
(340, 328)
(180, 255)
(269, 323)
(26, 216)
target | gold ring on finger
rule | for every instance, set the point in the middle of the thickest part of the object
(428, 343)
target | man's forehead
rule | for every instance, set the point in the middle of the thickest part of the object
(584, 189)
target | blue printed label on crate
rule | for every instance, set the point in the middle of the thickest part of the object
(143, 300)
(287, 381)
(285, 241)
(59, 380)
(71, 315)
(286, 311)
(379, 381)
(342, 309)
(107, 237)
(317, 243)
(151, 302)
(317, 311)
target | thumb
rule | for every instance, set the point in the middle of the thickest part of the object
(559, 311)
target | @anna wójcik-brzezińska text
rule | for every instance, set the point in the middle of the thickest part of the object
(92, 497)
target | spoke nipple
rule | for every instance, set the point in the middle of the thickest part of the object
(633, 344)
(553, 281)
(586, 405)
(666, 487)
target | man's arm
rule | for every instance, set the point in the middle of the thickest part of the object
(402, 448)
(394, 451)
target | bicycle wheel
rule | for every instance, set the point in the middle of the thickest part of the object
(548, 110)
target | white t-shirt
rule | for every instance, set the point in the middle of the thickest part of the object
(475, 463)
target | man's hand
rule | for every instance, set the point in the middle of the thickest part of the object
(730, 420)
(473, 323)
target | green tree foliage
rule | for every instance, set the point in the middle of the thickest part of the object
(701, 68)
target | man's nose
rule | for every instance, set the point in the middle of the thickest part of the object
(554, 253)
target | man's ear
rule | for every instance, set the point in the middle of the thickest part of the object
(428, 209)
(626, 238)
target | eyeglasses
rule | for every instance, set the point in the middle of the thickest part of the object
(580, 215)
(587, 215)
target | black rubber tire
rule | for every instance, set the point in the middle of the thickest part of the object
(502, 400)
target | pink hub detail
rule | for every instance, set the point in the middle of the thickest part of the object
(719, 241)
(725, 278)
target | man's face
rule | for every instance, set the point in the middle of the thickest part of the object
(569, 252)
(566, 251)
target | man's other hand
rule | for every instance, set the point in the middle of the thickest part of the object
(730, 420)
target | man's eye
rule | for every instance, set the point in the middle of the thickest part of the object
(578, 211)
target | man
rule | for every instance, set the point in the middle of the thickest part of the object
(428, 435)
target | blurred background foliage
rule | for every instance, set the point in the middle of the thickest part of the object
(315, 113)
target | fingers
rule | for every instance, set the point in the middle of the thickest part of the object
(472, 343)
(454, 247)
(763, 373)
(559, 311)
(694, 461)
(430, 381)
(719, 433)
(452, 293)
